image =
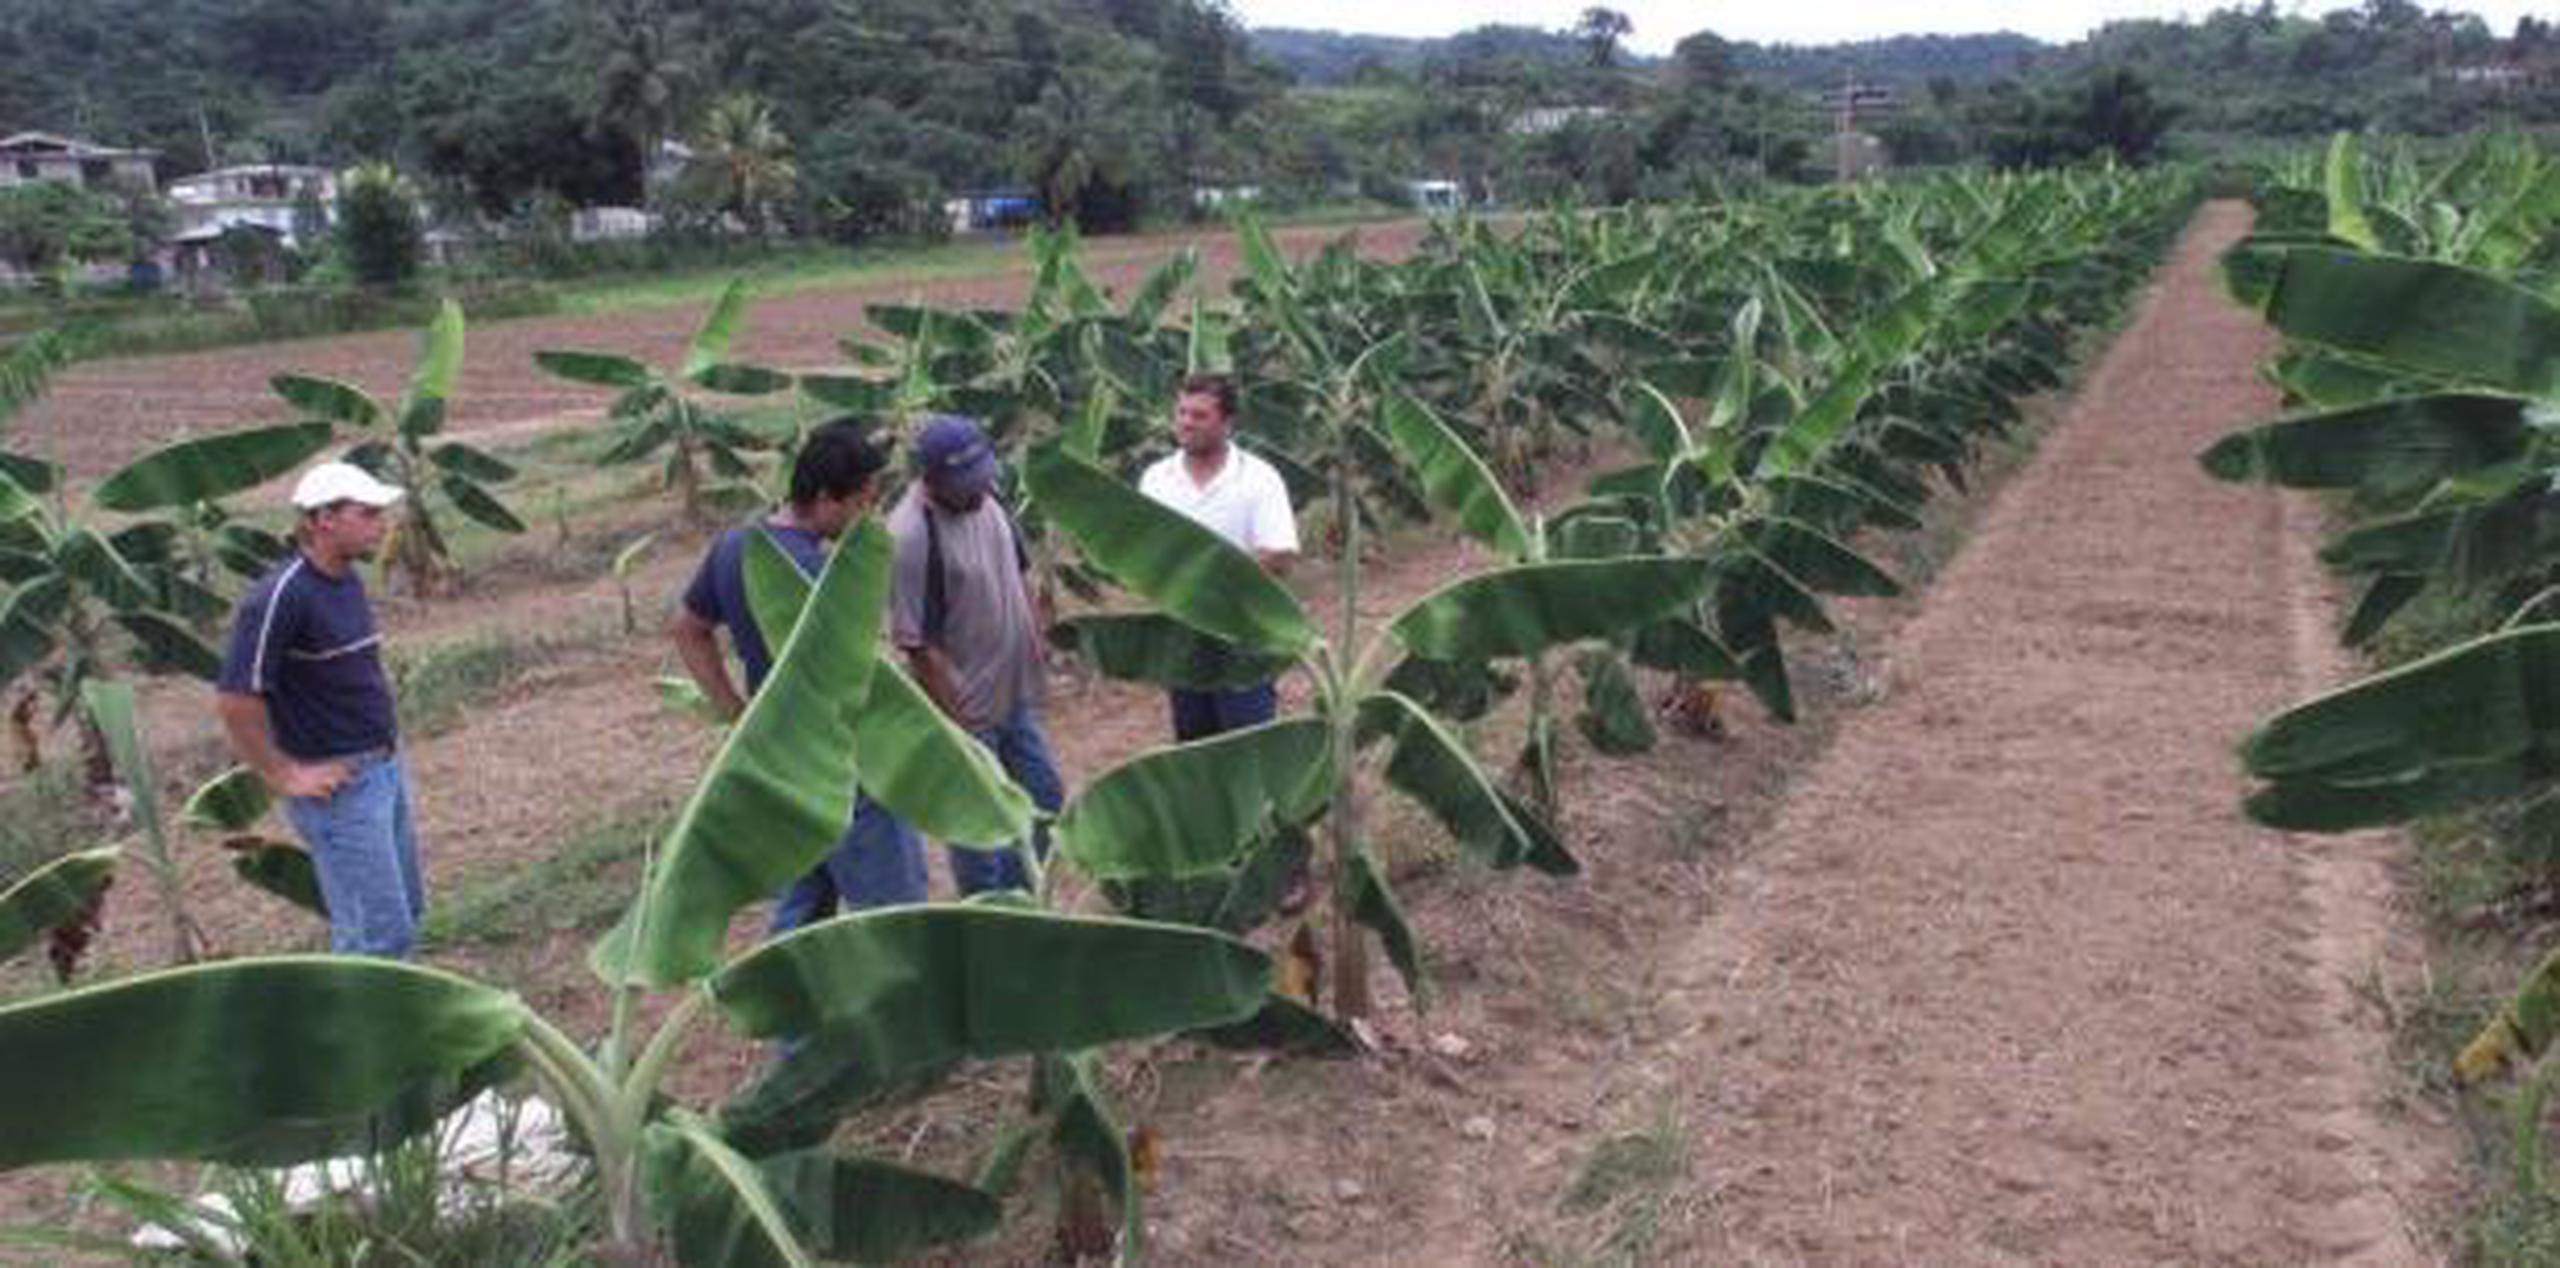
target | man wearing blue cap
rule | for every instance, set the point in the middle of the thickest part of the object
(961, 608)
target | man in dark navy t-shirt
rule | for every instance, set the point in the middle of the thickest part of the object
(306, 704)
(880, 860)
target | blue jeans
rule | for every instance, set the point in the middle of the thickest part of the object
(1024, 752)
(1197, 715)
(878, 862)
(364, 845)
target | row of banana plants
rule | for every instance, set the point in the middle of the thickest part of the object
(2420, 309)
(1788, 374)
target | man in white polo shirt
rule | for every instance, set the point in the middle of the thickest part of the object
(1240, 498)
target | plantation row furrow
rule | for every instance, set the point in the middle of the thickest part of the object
(1789, 374)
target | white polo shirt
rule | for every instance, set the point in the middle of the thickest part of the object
(1246, 503)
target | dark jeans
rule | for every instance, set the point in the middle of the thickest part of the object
(1197, 715)
(1023, 751)
(878, 862)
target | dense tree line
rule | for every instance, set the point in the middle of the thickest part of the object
(850, 117)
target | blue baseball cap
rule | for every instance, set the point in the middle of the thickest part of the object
(952, 453)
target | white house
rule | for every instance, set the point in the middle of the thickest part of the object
(42, 156)
(1438, 197)
(261, 195)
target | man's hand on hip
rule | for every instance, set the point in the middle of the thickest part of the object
(312, 780)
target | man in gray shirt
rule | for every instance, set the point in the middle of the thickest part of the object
(961, 608)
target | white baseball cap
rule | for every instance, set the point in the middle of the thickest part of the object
(333, 482)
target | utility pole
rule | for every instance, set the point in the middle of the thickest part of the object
(1844, 102)
(204, 133)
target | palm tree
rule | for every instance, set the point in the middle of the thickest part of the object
(741, 161)
(644, 73)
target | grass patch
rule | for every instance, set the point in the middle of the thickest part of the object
(1628, 1185)
(581, 888)
(437, 685)
(818, 268)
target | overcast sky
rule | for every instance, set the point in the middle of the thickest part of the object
(1661, 23)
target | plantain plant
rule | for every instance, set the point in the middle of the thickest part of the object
(401, 447)
(659, 409)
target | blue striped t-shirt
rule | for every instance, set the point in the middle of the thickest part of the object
(306, 642)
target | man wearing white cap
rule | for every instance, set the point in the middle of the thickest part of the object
(307, 705)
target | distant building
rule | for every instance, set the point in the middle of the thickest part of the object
(1543, 120)
(611, 224)
(42, 156)
(1212, 197)
(1438, 197)
(991, 210)
(262, 195)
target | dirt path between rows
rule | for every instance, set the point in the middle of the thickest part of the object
(2010, 979)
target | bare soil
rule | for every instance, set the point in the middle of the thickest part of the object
(1978, 966)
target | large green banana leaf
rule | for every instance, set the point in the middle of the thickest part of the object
(1453, 477)
(598, 369)
(1524, 610)
(2449, 323)
(864, 1211)
(1163, 557)
(2357, 801)
(929, 772)
(781, 788)
(1431, 766)
(911, 758)
(1084, 1132)
(85, 557)
(50, 895)
(1191, 810)
(328, 400)
(195, 1063)
(2491, 700)
(911, 988)
(210, 467)
(710, 344)
(2389, 448)
(1814, 560)
(431, 385)
(2343, 182)
(1237, 900)
(713, 1201)
(482, 506)
(281, 868)
(16, 503)
(1151, 647)
(168, 645)
(1375, 907)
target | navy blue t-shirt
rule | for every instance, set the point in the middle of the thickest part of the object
(306, 642)
(718, 594)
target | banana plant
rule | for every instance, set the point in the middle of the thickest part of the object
(87, 603)
(402, 448)
(2454, 435)
(658, 409)
(872, 1005)
(1211, 810)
